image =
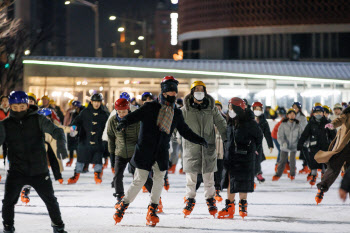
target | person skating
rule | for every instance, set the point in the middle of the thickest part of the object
(281, 114)
(338, 153)
(265, 128)
(90, 124)
(4, 107)
(46, 104)
(288, 136)
(158, 121)
(146, 97)
(337, 110)
(32, 99)
(319, 139)
(244, 138)
(202, 116)
(23, 132)
(344, 189)
(304, 153)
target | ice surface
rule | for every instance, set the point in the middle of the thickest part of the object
(283, 206)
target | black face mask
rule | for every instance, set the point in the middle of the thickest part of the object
(18, 115)
(170, 99)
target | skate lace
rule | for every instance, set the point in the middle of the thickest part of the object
(153, 212)
(227, 206)
(217, 193)
(120, 212)
(320, 194)
(166, 182)
(189, 205)
(242, 207)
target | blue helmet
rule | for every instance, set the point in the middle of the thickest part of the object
(125, 95)
(145, 95)
(76, 103)
(318, 108)
(298, 104)
(45, 111)
(18, 97)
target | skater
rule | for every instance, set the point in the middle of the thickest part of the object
(338, 153)
(146, 97)
(90, 124)
(327, 112)
(201, 116)
(304, 153)
(344, 189)
(337, 110)
(244, 139)
(158, 121)
(288, 136)
(319, 139)
(23, 132)
(4, 107)
(32, 99)
(46, 104)
(281, 114)
(265, 128)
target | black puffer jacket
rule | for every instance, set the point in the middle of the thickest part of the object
(265, 128)
(153, 145)
(243, 141)
(25, 141)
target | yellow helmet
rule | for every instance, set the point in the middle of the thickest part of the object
(31, 95)
(70, 102)
(45, 97)
(218, 102)
(86, 104)
(197, 83)
(291, 110)
(52, 102)
(317, 104)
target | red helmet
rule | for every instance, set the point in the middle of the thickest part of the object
(121, 104)
(257, 104)
(167, 78)
(238, 102)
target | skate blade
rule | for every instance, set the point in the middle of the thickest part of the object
(151, 224)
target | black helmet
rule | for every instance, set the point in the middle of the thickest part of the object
(97, 97)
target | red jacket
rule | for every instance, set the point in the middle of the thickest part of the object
(3, 115)
(275, 129)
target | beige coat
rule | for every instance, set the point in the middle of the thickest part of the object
(53, 143)
(339, 142)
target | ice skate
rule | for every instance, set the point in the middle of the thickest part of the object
(9, 229)
(113, 171)
(119, 200)
(166, 184)
(74, 178)
(119, 214)
(172, 169)
(286, 168)
(211, 203)
(181, 171)
(319, 196)
(218, 198)
(228, 211)
(98, 177)
(144, 190)
(313, 180)
(160, 206)
(59, 229)
(275, 178)
(152, 218)
(260, 178)
(24, 196)
(105, 165)
(276, 166)
(292, 178)
(243, 204)
(304, 170)
(190, 203)
(69, 163)
(60, 181)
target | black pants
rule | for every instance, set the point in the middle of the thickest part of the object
(304, 155)
(217, 176)
(258, 160)
(119, 166)
(55, 167)
(43, 186)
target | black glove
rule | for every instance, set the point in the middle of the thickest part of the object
(121, 126)
(204, 143)
(61, 149)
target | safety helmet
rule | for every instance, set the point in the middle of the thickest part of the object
(291, 110)
(97, 97)
(18, 97)
(257, 104)
(45, 111)
(317, 109)
(197, 83)
(298, 104)
(238, 102)
(121, 104)
(125, 95)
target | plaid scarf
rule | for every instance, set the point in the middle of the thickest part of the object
(165, 117)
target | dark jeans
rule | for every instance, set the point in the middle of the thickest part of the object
(55, 167)
(119, 166)
(278, 148)
(217, 176)
(43, 186)
(334, 166)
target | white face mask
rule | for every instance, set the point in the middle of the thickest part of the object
(232, 114)
(199, 95)
(257, 113)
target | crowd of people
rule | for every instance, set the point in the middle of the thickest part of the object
(222, 149)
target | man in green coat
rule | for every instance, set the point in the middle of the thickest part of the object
(201, 115)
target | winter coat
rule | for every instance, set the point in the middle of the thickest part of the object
(302, 120)
(90, 124)
(4, 113)
(275, 129)
(240, 155)
(288, 135)
(105, 135)
(339, 142)
(73, 141)
(345, 184)
(25, 140)
(59, 113)
(197, 159)
(265, 128)
(122, 143)
(153, 145)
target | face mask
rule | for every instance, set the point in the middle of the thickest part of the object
(199, 95)
(18, 115)
(318, 117)
(232, 114)
(170, 99)
(257, 113)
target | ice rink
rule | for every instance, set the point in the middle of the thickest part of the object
(283, 206)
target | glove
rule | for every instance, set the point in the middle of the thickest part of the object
(61, 149)
(204, 143)
(329, 126)
(121, 126)
(271, 149)
(285, 145)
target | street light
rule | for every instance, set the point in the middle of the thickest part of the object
(132, 43)
(27, 52)
(112, 17)
(136, 51)
(94, 7)
(121, 29)
(141, 38)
